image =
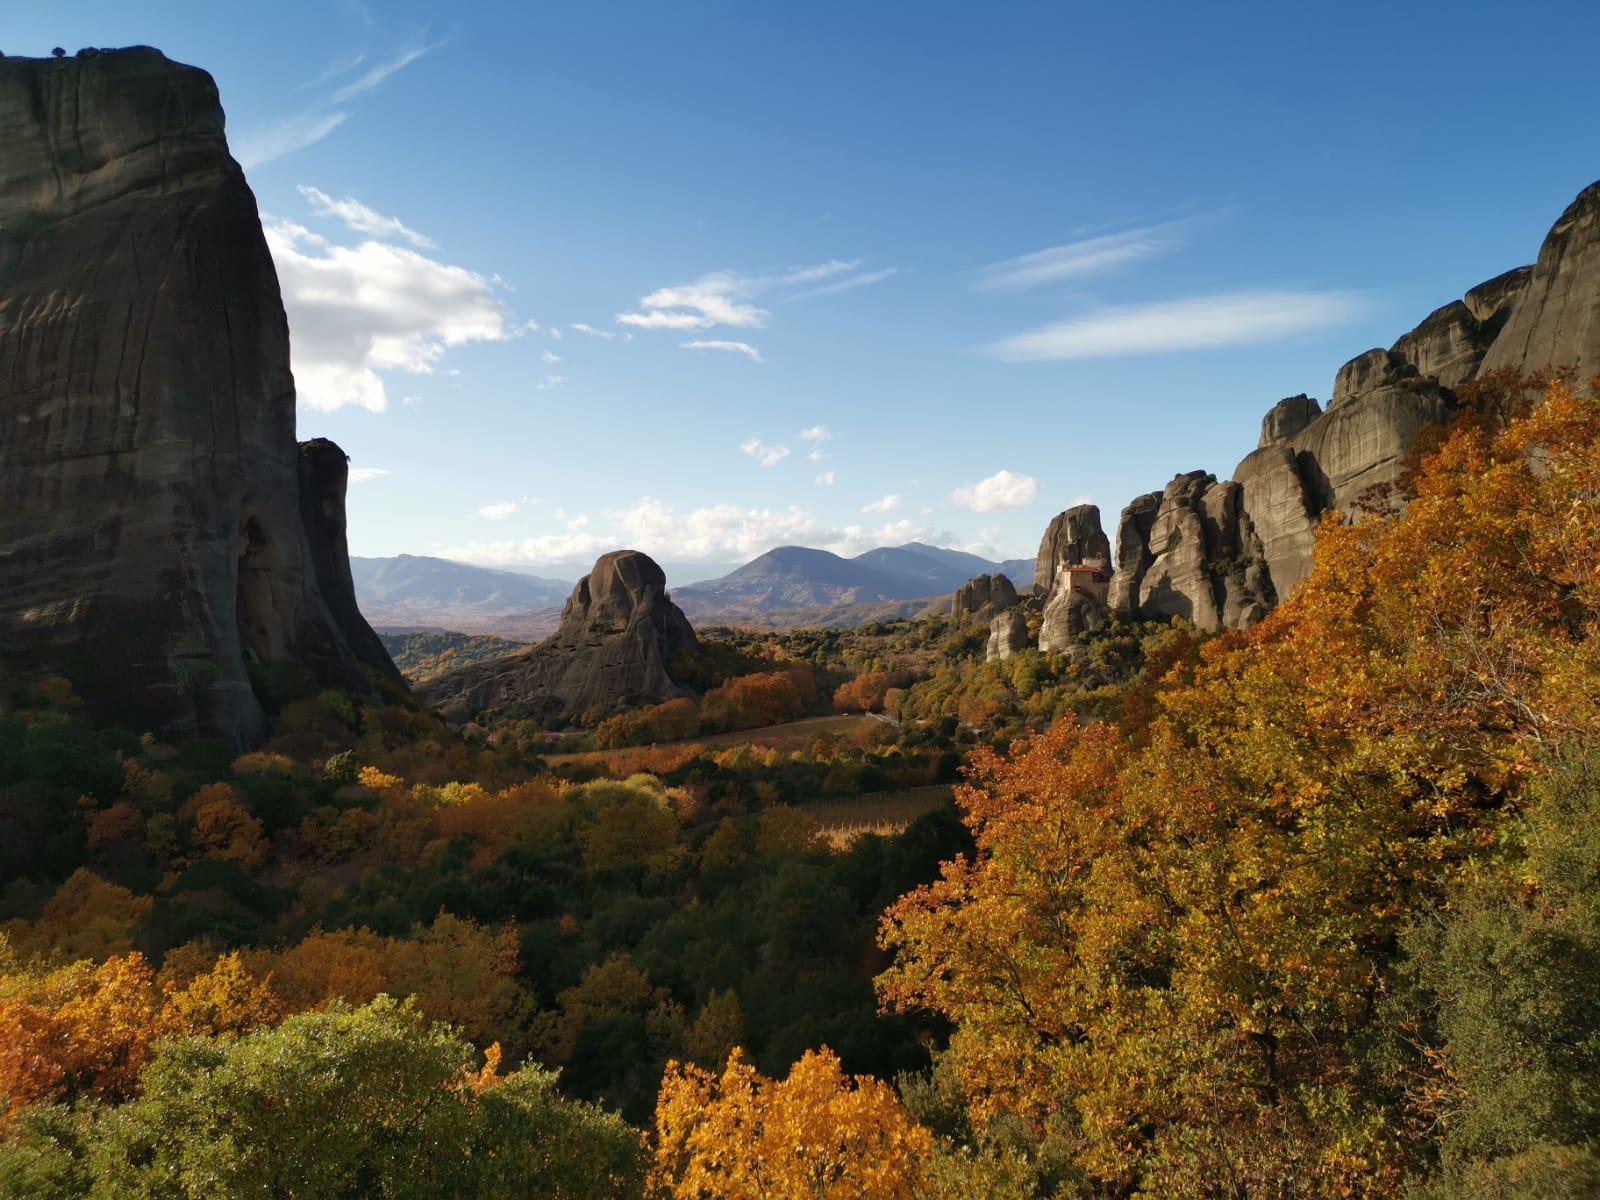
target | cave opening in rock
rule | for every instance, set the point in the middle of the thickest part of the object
(261, 637)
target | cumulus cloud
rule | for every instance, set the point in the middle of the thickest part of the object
(744, 348)
(1002, 490)
(885, 504)
(767, 456)
(1201, 323)
(358, 311)
(720, 298)
(498, 511)
(367, 474)
(715, 533)
(1089, 256)
(363, 219)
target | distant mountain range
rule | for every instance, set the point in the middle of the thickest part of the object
(794, 577)
(413, 591)
(417, 592)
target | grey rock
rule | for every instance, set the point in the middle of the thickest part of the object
(1556, 318)
(619, 636)
(1493, 299)
(151, 536)
(1069, 614)
(1133, 550)
(1008, 634)
(1283, 510)
(1206, 562)
(983, 597)
(1286, 418)
(1073, 537)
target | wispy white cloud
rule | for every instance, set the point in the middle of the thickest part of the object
(381, 71)
(767, 456)
(550, 357)
(580, 327)
(815, 433)
(358, 311)
(865, 279)
(1002, 490)
(885, 504)
(817, 272)
(498, 511)
(729, 297)
(363, 219)
(826, 479)
(368, 474)
(744, 348)
(1201, 323)
(1089, 256)
(339, 66)
(254, 147)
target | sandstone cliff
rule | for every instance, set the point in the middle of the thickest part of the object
(618, 638)
(151, 535)
(1008, 634)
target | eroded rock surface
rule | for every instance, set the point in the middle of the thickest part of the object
(1072, 537)
(1556, 317)
(983, 597)
(1008, 634)
(619, 636)
(151, 536)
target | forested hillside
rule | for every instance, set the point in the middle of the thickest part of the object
(1307, 910)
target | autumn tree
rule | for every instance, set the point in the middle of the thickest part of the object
(1178, 933)
(816, 1133)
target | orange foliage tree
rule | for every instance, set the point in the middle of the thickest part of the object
(1176, 934)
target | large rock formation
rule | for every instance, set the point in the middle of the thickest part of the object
(983, 597)
(151, 535)
(1008, 634)
(618, 639)
(1191, 551)
(1073, 537)
(1555, 318)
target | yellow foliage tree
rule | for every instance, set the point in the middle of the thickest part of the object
(816, 1135)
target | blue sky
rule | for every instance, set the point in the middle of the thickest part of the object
(992, 259)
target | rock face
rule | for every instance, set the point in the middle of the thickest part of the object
(983, 597)
(1333, 459)
(618, 638)
(1074, 536)
(151, 536)
(1222, 554)
(1200, 559)
(1555, 320)
(1008, 634)
(1069, 614)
